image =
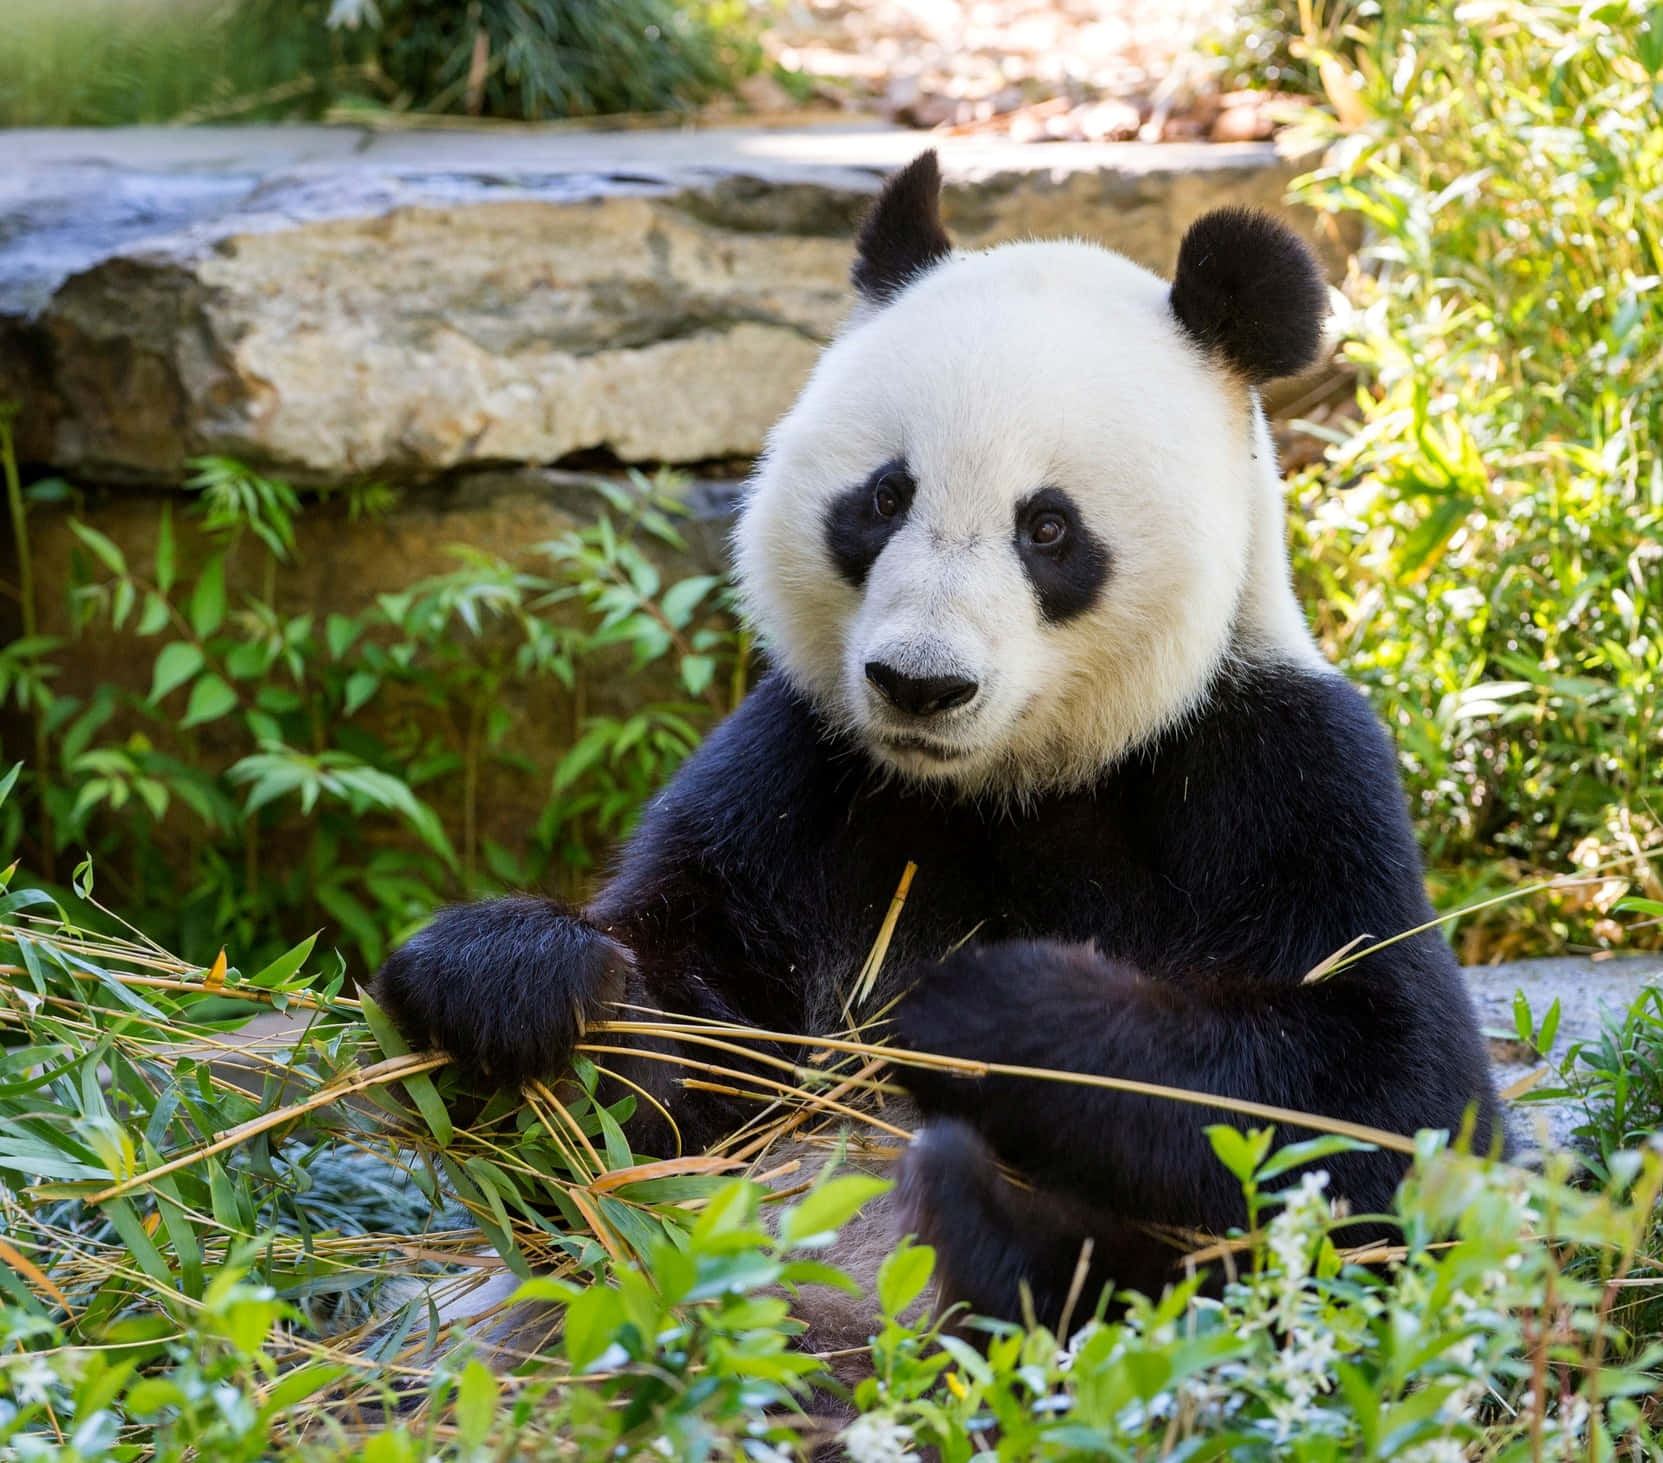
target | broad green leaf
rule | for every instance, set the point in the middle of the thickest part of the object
(902, 1277)
(682, 598)
(155, 616)
(1309, 1151)
(828, 1206)
(592, 1321)
(211, 698)
(108, 554)
(175, 664)
(476, 1404)
(208, 598)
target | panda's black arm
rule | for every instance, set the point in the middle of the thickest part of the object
(1354, 1047)
(510, 986)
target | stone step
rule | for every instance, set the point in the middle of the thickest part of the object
(339, 304)
(1589, 992)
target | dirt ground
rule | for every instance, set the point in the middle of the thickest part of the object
(1092, 70)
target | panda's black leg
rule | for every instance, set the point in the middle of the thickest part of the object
(994, 1238)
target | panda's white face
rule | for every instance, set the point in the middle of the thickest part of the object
(1015, 523)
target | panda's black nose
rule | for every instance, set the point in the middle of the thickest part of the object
(919, 695)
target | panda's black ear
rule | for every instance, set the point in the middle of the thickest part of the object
(903, 235)
(1249, 292)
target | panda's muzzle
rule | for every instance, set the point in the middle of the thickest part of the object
(920, 696)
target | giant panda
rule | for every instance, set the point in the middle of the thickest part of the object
(1016, 557)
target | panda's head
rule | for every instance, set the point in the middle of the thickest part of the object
(1026, 507)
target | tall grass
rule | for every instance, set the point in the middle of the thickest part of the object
(1482, 549)
(112, 62)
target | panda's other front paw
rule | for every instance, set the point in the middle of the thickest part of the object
(503, 986)
(1025, 1003)
(950, 1010)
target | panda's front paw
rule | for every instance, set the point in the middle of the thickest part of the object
(952, 1009)
(1024, 1003)
(503, 986)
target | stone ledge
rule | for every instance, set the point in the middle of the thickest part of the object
(1589, 993)
(335, 303)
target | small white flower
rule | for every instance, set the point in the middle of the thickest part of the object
(1573, 1416)
(350, 14)
(30, 1380)
(874, 1438)
(1068, 1355)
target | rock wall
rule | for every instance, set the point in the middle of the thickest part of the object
(333, 305)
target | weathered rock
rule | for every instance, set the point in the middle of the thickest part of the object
(332, 304)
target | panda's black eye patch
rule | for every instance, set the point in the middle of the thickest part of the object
(1066, 563)
(860, 521)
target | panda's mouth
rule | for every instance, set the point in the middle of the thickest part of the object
(921, 746)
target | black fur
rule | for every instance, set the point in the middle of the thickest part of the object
(1069, 575)
(995, 1239)
(1250, 293)
(903, 236)
(1208, 874)
(504, 987)
(855, 532)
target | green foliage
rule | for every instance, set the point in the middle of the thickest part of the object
(286, 772)
(116, 62)
(1616, 1079)
(1482, 550)
(561, 58)
(178, 1261)
(107, 62)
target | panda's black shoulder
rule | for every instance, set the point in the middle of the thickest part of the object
(746, 794)
(1286, 779)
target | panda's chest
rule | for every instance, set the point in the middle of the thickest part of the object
(1083, 868)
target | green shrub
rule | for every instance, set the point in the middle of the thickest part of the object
(171, 1238)
(1482, 551)
(286, 773)
(110, 62)
(562, 58)
(94, 63)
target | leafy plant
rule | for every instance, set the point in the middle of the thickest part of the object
(561, 58)
(108, 62)
(286, 772)
(172, 1228)
(1482, 548)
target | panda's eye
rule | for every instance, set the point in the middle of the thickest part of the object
(1047, 530)
(887, 497)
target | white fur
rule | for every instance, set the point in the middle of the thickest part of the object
(1030, 365)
